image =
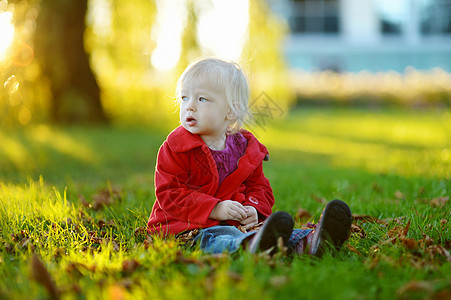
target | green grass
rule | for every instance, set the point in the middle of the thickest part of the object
(389, 164)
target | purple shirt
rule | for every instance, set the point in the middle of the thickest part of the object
(227, 159)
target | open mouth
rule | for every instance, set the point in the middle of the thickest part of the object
(190, 121)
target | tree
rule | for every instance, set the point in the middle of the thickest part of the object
(59, 48)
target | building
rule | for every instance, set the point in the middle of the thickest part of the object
(372, 35)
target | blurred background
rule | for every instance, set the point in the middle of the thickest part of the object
(114, 61)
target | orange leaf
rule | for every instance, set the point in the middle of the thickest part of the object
(40, 274)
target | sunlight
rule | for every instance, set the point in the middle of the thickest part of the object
(222, 29)
(167, 32)
(6, 33)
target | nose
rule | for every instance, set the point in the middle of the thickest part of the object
(190, 105)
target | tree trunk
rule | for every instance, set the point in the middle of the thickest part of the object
(60, 51)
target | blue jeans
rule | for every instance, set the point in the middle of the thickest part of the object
(219, 239)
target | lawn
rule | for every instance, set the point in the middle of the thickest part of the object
(74, 202)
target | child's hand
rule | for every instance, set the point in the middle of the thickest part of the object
(229, 210)
(252, 217)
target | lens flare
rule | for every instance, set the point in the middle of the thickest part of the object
(11, 85)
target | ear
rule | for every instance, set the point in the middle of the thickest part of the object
(231, 115)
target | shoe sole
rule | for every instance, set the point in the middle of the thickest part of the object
(334, 227)
(279, 224)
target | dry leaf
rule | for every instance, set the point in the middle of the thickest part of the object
(40, 274)
(405, 230)
(426, 241)
(278, 281)
(129, 266)
(439, 202)
(83, 201)
(354, 250)
(399, 195)
(415, 286)
(409, 243)
(358, 231)
(148, 242)
(105, 197)
(140, 231)
(303, 214)
(440, 250)
(318, 199)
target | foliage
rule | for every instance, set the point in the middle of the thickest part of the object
(262, 56)
(78, 231)
(414, 88)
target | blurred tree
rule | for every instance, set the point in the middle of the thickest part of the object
(263, 56)
(59, 48)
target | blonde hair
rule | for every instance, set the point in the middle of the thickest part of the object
(226, 75)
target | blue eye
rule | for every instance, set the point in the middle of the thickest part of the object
(202, 99)
(184, 98)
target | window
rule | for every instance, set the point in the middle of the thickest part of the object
(435, 17)
(314, 16)
(393, 16)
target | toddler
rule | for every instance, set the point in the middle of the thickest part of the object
(209, 180)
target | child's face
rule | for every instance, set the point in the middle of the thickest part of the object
(204, 109)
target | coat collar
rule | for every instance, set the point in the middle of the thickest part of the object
(181, 140)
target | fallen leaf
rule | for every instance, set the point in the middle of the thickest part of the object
(439, 202)
(405, 230)
(318, 199)
(399, 195)
(415, 287)
(426, 241)
(303, 214)
(278, 281)
(354, 250)
(148, 242)
(140, 231)
(440, 250)
(84, 202)
(116, 292)
(358, 231)
(105, 197)
(130, 265)
(40, 274)
(409, 243)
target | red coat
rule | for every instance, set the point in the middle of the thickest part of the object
(186, 183)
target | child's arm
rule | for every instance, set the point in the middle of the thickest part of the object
(258, 193)
(174, 196)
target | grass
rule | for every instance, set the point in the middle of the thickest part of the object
(75, 197)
